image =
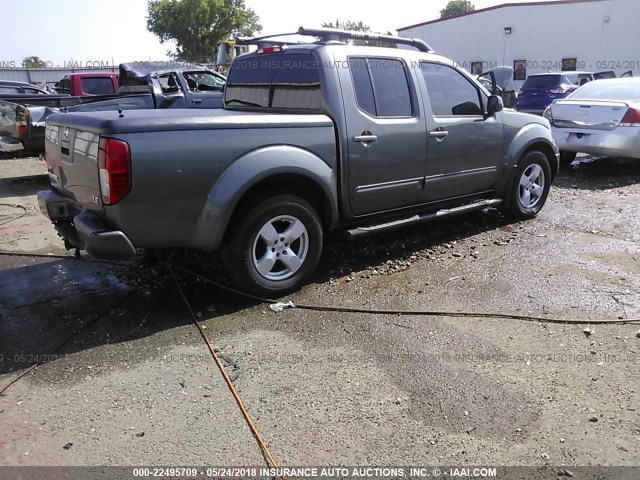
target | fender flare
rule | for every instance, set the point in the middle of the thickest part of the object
(531, 134)
(249, 170)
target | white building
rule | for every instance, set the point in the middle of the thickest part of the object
(590, 35)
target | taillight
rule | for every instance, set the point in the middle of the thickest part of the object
(631, 118)
(273, 49)
(22, 128)
(114, 162)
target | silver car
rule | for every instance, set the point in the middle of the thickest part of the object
(600, 118)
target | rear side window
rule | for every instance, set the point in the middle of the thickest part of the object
(280, 81)
(169, 83)
(98, 86)
(450, 92)
(381, 86)
(542, 81)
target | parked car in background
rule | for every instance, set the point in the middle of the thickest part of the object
(600, 118)
(140, 87)
(20, 88)
(540, 89)
(88, 83)
(499, 81)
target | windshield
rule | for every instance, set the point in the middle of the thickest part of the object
(608, 90)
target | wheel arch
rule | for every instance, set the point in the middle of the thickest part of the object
(532, 137)
(268, 170)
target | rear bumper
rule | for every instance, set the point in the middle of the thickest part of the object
(84, 229)
(622, 142)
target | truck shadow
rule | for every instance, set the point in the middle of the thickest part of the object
(23, 186)
(42, 304)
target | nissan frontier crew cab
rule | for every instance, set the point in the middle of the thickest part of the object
(313, 137)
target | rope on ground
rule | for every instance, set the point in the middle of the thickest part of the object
(263, 447)
(14, 205)
(434, 313)
(68, 339)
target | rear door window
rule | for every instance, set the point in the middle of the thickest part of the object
(381, 86)
(169, 83)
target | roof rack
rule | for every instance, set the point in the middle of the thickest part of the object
(333, 34)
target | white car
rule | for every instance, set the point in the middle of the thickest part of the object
(600, 118)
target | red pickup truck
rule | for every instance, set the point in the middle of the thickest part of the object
(88, 83)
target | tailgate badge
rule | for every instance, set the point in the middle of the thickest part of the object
(96, 199)
(65, 132)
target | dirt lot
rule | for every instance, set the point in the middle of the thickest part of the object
(137, 386)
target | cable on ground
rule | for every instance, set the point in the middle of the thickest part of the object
(263, 447)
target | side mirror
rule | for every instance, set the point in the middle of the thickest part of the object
(494, 105)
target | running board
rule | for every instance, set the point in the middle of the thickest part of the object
(447, 212)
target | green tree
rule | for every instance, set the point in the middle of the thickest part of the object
(197, 26)
(359, 27)
(33, 62)
(456, 7)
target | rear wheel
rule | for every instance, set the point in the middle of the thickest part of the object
(530, 186)
(275, 247)
(566, 158)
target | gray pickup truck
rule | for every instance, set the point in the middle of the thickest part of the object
(314, 137)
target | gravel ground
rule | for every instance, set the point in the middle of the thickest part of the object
(137, 385)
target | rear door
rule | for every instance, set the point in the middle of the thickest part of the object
(204, 89)
(386, 140)
(463, 147)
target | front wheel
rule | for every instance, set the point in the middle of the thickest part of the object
(530, 186)
(275, 247)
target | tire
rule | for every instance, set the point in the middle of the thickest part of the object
(275, 246)
(530, 186)
(566, 158)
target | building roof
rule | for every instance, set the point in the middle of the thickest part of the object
(496, 7)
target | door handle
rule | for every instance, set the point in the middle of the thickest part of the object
(197, 101)
(439, 134)
(365, 137)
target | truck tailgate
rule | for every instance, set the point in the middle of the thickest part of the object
(72, 163)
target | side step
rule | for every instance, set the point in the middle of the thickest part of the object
(448, 212)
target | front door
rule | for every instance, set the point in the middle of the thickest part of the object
(463, 145)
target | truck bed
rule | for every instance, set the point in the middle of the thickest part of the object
(178, 156)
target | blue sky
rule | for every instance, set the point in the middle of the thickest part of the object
(64, 31)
